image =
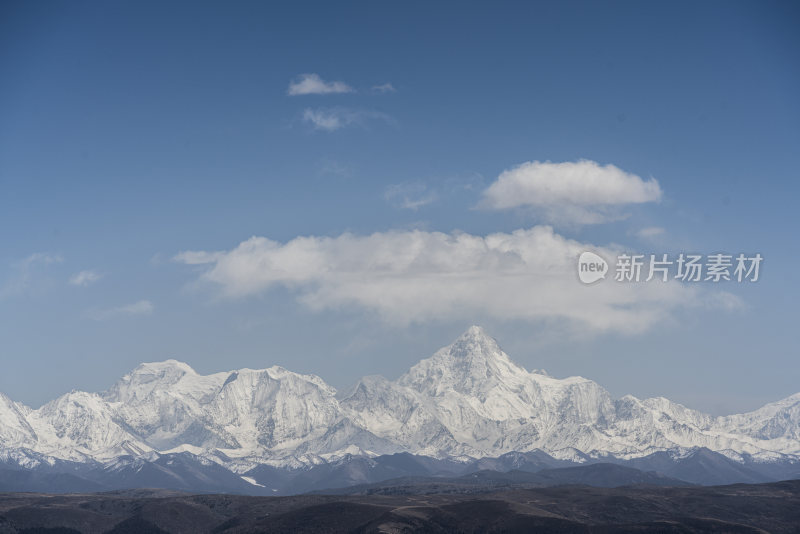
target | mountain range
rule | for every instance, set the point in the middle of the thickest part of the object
(469, 406)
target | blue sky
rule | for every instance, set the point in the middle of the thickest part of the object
(132, 132)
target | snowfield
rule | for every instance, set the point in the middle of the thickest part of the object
(469, 400)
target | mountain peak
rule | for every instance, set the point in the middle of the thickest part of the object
(147, 376)
(473, 362)
(474, 340)
(475, 331)
(171, 370)
(166, 365)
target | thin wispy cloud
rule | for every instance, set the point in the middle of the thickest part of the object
(411, 196)
(24, 272)
(582, 192)
(142, 307)
(384, 88)
(84, 278)
(41, 258)
(419, 276)
(336, 168)
(312, 84)
(650, 232)
(325, 120)
(332, 119)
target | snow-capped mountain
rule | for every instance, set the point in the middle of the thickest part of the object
(468, 400)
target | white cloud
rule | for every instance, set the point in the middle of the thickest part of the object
(332, 119)
(84, 278)
(312, 84)
(419, 276)
(411, 196)
(650, 232)
(384, 88)
(142, 307)
(582, 192)
(324, 120)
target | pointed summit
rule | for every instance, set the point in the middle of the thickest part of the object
(475, 331)
(472, 363)
(474, 341)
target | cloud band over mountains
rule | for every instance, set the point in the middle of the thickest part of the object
(414, 276)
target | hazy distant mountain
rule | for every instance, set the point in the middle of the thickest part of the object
(467, 405)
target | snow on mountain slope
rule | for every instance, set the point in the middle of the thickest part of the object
(80, 425)
(273, 409)
(488, 402)
(775, 425)
(163, 403)
(14, 427)
(401, 415)
(467, 400)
